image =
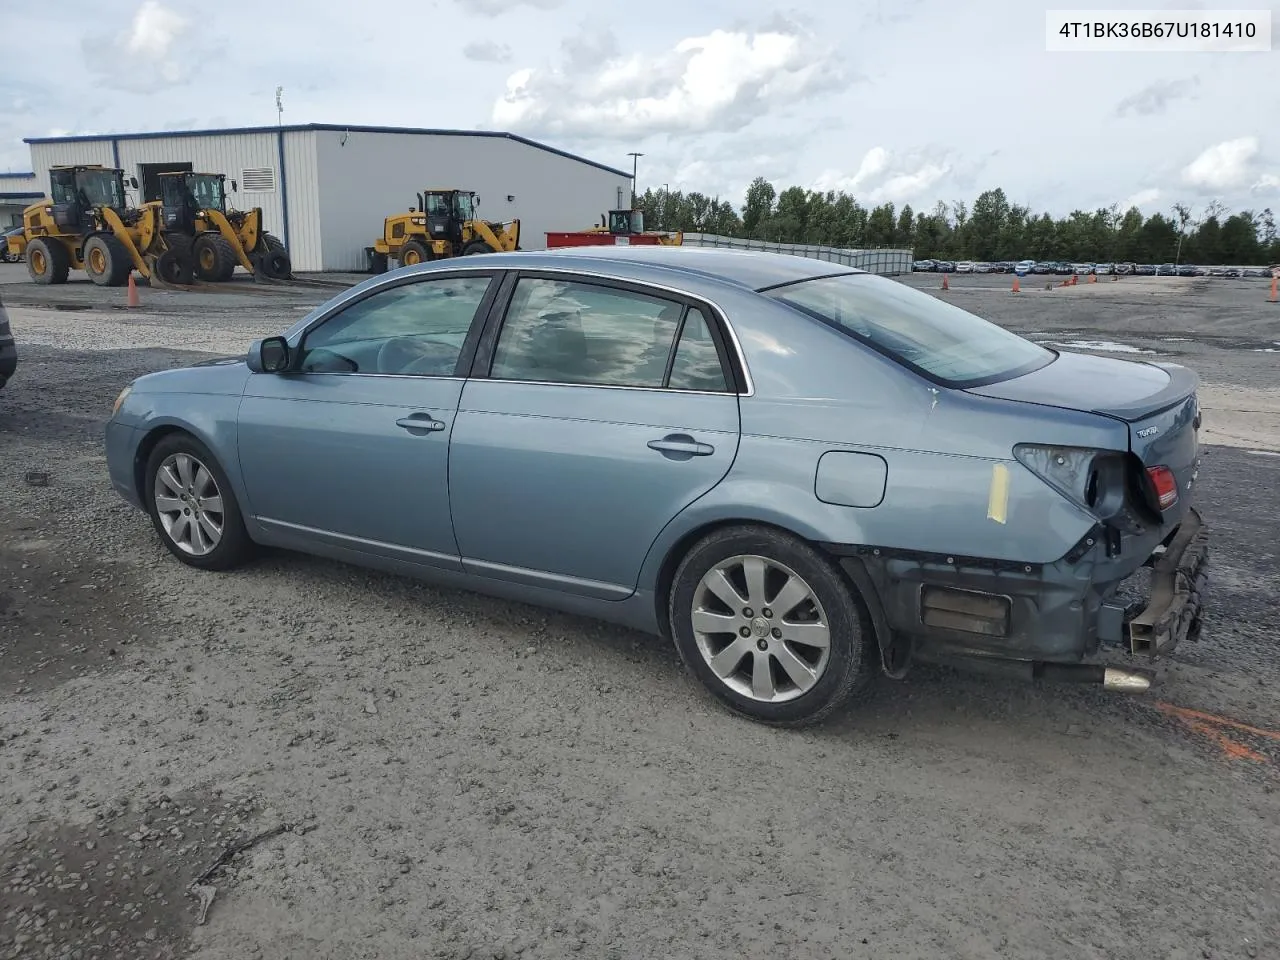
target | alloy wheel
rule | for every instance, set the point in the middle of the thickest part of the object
(189, 504)
(761, 628)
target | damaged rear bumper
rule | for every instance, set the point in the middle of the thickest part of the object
(998, 612)
(1178, 579)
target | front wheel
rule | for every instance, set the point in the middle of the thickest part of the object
(770, 626)
(192, 505)
(477, 247)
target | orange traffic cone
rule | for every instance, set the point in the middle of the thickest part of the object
(945, 284)
(133, 292)
(1017, 287)
(1275, 283)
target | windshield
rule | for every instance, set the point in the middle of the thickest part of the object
(466, 209)
(939, 340)
(207, 192)
(101, 188)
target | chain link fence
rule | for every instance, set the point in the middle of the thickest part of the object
(883, 261)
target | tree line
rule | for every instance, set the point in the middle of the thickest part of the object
(991, 229)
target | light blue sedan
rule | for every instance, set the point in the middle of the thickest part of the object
(804, 475)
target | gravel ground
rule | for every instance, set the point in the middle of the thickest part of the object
(451, 776)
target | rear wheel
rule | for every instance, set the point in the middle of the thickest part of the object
(215, 258)
(413, 253)
(192, 505)
(770, 626)
(106, 260)
(47, 261)
(475, 247)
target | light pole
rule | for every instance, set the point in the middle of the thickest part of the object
(666, 200)
(635, 157)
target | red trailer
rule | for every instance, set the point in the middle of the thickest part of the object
(623, 227)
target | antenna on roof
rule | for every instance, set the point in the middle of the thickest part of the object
(279, 107)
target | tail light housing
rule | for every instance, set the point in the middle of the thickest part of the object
(1164, 486)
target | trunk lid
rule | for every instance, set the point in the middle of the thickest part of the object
(1158, 402)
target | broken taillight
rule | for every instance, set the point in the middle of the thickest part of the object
(1165, 485)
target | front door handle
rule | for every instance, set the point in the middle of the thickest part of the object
(420, 423)
(681, 446)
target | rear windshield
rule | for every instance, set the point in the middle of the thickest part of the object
(941, 341)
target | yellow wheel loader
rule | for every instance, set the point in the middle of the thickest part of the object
(213, 239)
(86, 224)
(444, 224)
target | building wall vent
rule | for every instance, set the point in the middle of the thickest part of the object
(258, 180)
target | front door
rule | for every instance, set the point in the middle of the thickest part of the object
(588, 435)
(352, 447)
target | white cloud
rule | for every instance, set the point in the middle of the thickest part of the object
(1268, 181)
(494, 8)
(487, 51)
(156, 49)
(883, 177)
(1143, 198)
(717, 82)
(1224, 166)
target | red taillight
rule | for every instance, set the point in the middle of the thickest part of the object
(1165, 484)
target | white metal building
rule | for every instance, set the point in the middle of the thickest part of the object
(324, 189)
(17, 192)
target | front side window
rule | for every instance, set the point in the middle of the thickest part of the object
(942, 341)
(563, 331)
(415, 329)
(207, 192)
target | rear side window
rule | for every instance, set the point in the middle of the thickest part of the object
(697, 362)
(936, 338)
(562, 331)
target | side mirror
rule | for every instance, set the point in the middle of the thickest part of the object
(269, 356)
(235, 187)
(133, 182)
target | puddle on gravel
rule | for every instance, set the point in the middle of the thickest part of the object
(1106, 346)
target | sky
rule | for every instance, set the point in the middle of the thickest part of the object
(907, 101)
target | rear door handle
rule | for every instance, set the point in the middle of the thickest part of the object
(681, 446)
(420, 423)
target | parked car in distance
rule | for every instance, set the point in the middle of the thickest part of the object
(964, 266)
(1082, 269)
(945, 266)
(981, 266)
(5, 255)
(1125, 269)
(804, 476)
(1188, 270)
(1145, 269)
(1104, 269)
(1233, 273)
(8, 347)
(923, 266)
(1064, 268)
(1043, 266)
(1023, 267)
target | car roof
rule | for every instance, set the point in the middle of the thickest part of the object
(753, 270)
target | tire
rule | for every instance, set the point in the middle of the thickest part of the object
(213, 258)
(173, 267)
(413, 252)
(848, 665)
(272, 260)
(476, 247)
(219, 540)
(48, 261)
(106, 261)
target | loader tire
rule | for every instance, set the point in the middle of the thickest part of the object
(413, 253)
(214, 258)
(475, 247)
(106, 261)
(47, 261)
(273, 259)
(173, 267)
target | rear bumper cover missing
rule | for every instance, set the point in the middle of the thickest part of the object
(1178, 579)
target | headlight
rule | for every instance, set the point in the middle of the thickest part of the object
(115, 407)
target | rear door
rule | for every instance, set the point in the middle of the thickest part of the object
(596, 413)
